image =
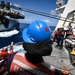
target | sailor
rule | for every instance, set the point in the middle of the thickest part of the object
(69, 34)
(56, 35)
(36, 44)
(61, 36)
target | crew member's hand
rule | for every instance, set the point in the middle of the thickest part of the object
(64, 71)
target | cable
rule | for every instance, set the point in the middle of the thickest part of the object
(39, 13)
(42, 14)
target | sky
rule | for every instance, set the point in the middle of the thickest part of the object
(46, 6)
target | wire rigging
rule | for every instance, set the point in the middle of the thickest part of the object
(8, 6)
(42, 14)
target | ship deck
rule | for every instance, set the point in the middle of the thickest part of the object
(61, 58)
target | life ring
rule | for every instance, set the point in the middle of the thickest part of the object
(4, 55)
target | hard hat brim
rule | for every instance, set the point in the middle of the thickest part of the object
(25, 37)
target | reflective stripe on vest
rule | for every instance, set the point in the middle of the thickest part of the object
(21, 66)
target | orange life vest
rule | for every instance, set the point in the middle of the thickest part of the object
(20, 66)
(56, 32)
(74, 36)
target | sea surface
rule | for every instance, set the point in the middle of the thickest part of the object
(17, 38)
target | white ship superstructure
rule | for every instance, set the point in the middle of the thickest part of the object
(67, 13)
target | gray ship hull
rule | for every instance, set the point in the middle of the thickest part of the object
(13, 24)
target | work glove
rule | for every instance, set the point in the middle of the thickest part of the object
(64, 71)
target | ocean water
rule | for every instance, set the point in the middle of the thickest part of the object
(17, 38)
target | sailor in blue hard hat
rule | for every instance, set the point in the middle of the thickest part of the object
(37, 37)
(37, 44)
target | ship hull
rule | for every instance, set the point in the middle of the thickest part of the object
(13, 24)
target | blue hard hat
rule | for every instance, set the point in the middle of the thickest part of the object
(37, 31)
